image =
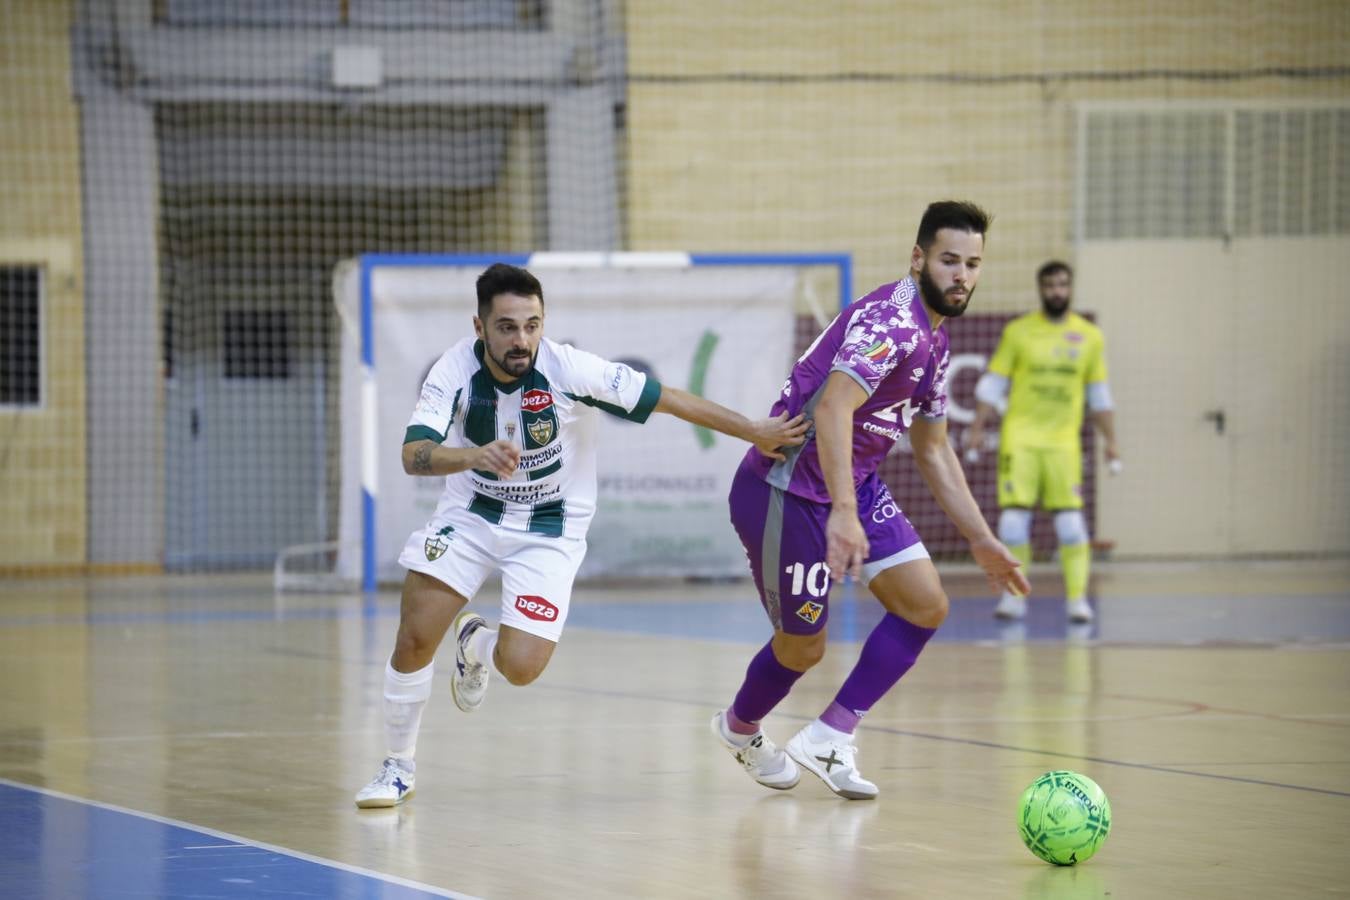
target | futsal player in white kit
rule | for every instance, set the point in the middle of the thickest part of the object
(510, 417)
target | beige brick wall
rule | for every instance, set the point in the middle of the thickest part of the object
(42, 484)
(787, 163)
(741, 138)
(746, 135)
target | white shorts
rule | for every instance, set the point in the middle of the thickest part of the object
(461, 549)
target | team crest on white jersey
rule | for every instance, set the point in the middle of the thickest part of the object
(541, 430)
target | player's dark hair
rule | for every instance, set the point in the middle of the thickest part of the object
(1053, 267)
(500, 278)
(958, 214)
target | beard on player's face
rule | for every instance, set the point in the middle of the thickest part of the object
(514, 361)
(949, 303)
(511, 329)
(1055, 305)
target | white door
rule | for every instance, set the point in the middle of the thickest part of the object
(1289, 397)
(1166, 310)
(1231, 371)
(244, 422)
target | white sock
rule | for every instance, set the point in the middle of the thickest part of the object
(405, 696)
(818, 731)
(483, 644)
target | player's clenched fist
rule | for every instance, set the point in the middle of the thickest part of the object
(499, 458)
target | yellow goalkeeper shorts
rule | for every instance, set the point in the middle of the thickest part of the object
(1050, 476)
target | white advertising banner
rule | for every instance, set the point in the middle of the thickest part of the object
(723, 332)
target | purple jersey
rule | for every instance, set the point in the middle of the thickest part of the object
(885, 343)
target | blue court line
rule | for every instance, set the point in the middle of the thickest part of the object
(55, 845)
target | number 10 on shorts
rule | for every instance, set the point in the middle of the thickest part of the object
(816, 580)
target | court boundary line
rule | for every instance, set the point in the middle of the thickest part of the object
(976, 742)
(239, 839)
(882, 729)
(1150, 767)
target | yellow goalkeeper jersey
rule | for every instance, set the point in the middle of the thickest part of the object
(1049, 364)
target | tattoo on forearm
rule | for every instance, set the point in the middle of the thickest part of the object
(421, 462)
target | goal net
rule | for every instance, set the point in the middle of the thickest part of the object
(182, 177)
(720, 327)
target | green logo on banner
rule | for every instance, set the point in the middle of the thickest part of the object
(698, 373)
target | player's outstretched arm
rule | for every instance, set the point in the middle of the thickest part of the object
(767, 434)
(939, 467)
(846, 542)
(427, 457)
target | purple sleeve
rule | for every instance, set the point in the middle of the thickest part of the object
(875, 343)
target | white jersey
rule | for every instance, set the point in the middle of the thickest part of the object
(550, 414)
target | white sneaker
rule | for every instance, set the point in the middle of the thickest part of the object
(391, 787)
(1079, 611)
(833, 763)
(1011, 606)
(468, 683)
(760, 758)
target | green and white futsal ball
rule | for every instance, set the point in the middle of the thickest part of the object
(1063, 817)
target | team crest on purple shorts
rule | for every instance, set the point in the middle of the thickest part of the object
(810, 611)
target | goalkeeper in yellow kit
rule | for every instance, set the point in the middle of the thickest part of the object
(1046, 364)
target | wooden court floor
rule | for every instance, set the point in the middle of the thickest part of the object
(1210, 701)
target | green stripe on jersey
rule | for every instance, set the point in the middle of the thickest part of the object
(547, 519)
(454, 404)
(536, 474)
(480, 419)
(651, 392)
(489, 508)
(538, 429)
(417, 433)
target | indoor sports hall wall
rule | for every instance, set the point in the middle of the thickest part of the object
(186, 175)
(768, 125)
(42, 451)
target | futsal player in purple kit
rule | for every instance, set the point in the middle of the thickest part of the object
(877, 372)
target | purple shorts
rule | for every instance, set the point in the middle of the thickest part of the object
(784, 537)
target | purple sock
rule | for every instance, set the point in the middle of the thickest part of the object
(891, 649)
(767, 682)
